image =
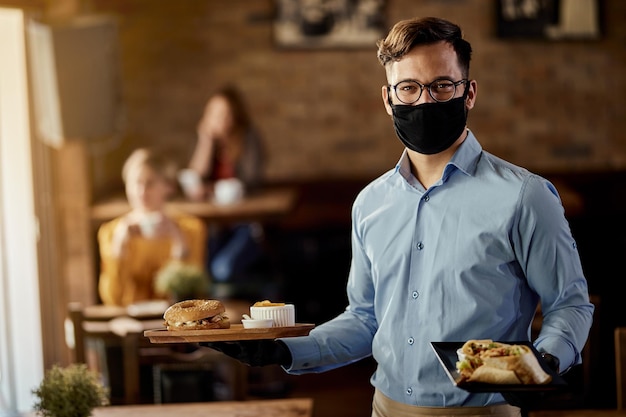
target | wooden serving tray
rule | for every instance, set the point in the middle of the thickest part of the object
(236, 332)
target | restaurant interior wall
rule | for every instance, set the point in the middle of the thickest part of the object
(552, 106)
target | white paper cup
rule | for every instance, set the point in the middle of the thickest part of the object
(283, 315)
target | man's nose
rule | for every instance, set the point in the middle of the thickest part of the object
(425, 97)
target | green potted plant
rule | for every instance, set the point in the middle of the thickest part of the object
(182, 281)
(73, 391)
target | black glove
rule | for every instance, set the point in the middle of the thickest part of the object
(254, 352)
(530, 400)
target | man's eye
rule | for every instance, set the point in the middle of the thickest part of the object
(443, 86)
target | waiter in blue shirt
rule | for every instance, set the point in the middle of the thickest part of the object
(451, 244)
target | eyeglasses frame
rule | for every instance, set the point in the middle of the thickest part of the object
(427, 86)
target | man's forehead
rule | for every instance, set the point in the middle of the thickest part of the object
(426, 63)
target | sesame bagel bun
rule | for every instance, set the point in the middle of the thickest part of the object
(196, 315)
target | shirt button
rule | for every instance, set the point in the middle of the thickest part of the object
(409, 391)
(415, 294)
(427, 198)
(419, 246)
(411, 341)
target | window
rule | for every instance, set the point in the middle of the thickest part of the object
(21, 358)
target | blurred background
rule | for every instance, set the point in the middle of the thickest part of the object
(134, 73)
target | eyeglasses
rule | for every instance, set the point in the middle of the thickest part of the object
(441, 90)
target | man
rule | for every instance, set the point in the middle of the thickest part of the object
(452, 244)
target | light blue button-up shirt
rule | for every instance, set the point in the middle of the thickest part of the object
(468, 258)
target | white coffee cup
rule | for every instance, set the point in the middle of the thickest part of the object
(228, 191)
(189, 180)
(149, 222)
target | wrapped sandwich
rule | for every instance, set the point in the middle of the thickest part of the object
(499, 363)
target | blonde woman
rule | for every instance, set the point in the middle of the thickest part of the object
(135, 246)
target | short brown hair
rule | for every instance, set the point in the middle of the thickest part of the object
(157, 160)
(409, 33)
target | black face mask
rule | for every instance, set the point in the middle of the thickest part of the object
(430, 128)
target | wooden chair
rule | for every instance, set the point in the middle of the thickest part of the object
(86, 338)
(92, 335)
(620, 366)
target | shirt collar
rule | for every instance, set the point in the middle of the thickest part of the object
(403, 167)
(466, 156)
(465, 159)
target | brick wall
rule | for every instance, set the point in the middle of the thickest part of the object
(553, 106)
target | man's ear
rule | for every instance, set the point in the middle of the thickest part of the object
(470, 100)
(385, 94)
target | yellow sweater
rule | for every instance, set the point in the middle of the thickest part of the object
(130, 278)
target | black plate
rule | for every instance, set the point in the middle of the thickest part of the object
(446, 353)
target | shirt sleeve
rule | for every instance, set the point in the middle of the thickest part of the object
(547, 251)
(112, 282)
(195, 233)
(250, 165)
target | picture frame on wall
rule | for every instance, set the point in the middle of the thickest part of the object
(549, 19)
(319, 24)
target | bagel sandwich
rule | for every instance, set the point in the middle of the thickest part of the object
(500, 363)
(196, 315)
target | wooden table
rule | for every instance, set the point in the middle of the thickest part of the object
(578, 413)
(119, 326)
(291, 407)
(259, 205)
